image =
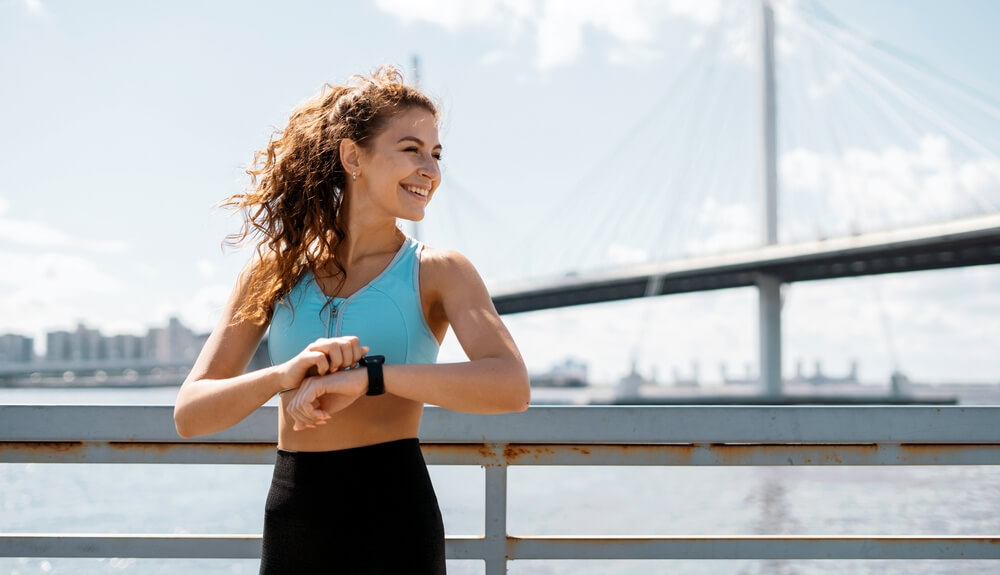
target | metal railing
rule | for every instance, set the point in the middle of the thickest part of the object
(641, 436)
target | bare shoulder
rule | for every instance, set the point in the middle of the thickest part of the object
(444, 269)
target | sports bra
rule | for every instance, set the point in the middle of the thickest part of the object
(385, 314)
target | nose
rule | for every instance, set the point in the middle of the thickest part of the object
(429, 169)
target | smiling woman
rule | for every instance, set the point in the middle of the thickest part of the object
(356, 312)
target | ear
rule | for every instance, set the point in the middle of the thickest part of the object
(350, 155)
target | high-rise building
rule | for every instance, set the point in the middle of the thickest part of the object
(16, 348)
(57, 346)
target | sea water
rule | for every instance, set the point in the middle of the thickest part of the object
(137, 498)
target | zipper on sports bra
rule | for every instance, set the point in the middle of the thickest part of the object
(333, 319)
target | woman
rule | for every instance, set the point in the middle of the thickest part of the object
(340, 285)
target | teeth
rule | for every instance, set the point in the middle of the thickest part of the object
(418, 191)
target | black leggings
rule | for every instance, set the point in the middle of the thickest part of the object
(362, 511)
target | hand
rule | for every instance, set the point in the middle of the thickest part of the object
(323, 356)
(320, 397)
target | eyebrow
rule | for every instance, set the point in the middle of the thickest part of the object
(418, 141)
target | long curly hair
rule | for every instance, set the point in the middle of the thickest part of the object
(291, 209)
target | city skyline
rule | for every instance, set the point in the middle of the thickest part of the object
(171, 343)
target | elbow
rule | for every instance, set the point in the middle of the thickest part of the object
(181, 424)
(520, 399)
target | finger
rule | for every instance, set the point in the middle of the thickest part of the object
(335, 355)
(297, 408)
(357, 352)
(320, 362)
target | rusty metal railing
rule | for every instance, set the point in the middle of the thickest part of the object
(643, 436)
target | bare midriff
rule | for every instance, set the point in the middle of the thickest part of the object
(367, 421)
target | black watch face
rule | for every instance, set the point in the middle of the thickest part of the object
(375, 359)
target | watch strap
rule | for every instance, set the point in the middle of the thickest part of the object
(376, 382)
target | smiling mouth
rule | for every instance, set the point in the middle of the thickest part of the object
(421, 193)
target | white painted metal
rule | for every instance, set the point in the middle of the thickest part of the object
(543, 436)
(960, 425)
(496, 515)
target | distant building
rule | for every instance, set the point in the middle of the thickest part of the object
(174, 343)
(124, 347)
(16, 348)
(86, 344)
(57, 346)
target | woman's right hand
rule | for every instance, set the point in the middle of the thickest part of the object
(323, 356)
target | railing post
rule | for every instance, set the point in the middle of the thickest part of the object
(496, 513)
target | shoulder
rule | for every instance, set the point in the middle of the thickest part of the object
(443, 266)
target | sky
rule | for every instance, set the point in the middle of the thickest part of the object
(578, 136)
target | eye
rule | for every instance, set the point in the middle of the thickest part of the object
(437, 156)
(411, 149)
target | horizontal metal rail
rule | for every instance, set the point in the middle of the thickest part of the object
(620, 435)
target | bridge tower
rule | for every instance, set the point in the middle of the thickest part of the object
(768, 286)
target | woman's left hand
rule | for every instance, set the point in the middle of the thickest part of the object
(320, 397)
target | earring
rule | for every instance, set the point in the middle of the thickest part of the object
(354, 175)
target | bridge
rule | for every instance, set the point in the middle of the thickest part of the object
(964, 237)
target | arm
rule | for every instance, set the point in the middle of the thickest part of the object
(494, 380)
(217, 394)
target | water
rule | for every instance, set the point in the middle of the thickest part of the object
(542, 501)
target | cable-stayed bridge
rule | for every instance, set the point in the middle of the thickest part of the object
(958, 224)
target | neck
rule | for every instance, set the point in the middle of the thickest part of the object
(368, 232)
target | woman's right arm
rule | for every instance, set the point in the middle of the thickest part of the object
(217, 394)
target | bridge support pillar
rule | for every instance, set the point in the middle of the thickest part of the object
(769, 289)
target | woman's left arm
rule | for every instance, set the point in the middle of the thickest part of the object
(494, 380)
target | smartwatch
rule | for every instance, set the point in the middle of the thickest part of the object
(373, 363)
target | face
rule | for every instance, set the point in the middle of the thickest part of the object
(399, 171)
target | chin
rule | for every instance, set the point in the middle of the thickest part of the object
(415, 217)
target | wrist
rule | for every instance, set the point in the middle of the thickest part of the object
(372, 365)
(280, 380)
(361, 380)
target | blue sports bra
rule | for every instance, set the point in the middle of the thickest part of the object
(386, 314)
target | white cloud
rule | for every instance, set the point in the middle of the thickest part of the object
(206, 268)
(559, 25)
(818, 90)
(730, 226)
(620, 254)
(41, 235)
(4, 205)
(202, 312)
(493, 57)
(701, 11)
(52, 289)
(865, 189)
(35, 7)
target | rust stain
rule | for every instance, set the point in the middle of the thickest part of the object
(43, 446)
(169, 447)
(804, 455)
(931, 452)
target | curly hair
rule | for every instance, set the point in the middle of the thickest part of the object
(291, 209)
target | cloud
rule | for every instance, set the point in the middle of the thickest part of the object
(818, 90)
(206, 268)
(621, 254)
(493, 57)
(202, 311)
(52, 289)
(559, 25)
(873, 189)
(4, 205)
(731, 227)
(35, 6)
(41, 235)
